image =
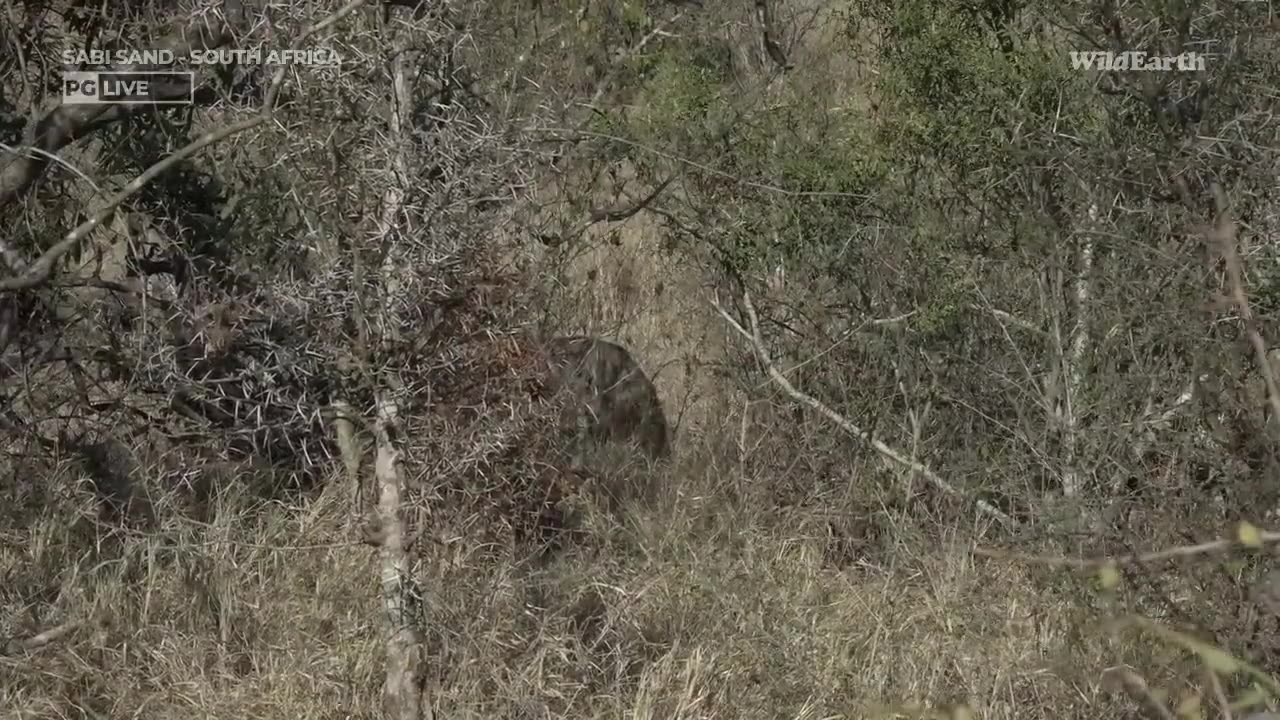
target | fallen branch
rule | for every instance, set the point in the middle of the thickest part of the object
(757, 343)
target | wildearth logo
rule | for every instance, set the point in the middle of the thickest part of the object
(132, 88)
(1136, 60)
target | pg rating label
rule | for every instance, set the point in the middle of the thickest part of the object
(128, 88)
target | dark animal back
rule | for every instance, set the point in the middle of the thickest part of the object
(614, 389)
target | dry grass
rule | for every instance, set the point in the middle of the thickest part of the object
(225, 619)
(705, 606)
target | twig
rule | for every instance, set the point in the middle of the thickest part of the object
(612, 215)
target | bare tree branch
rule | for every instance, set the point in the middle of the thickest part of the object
(1223, 235)
(762, 352)
(614, 214)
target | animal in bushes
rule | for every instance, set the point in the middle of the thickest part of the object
(610, 398)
